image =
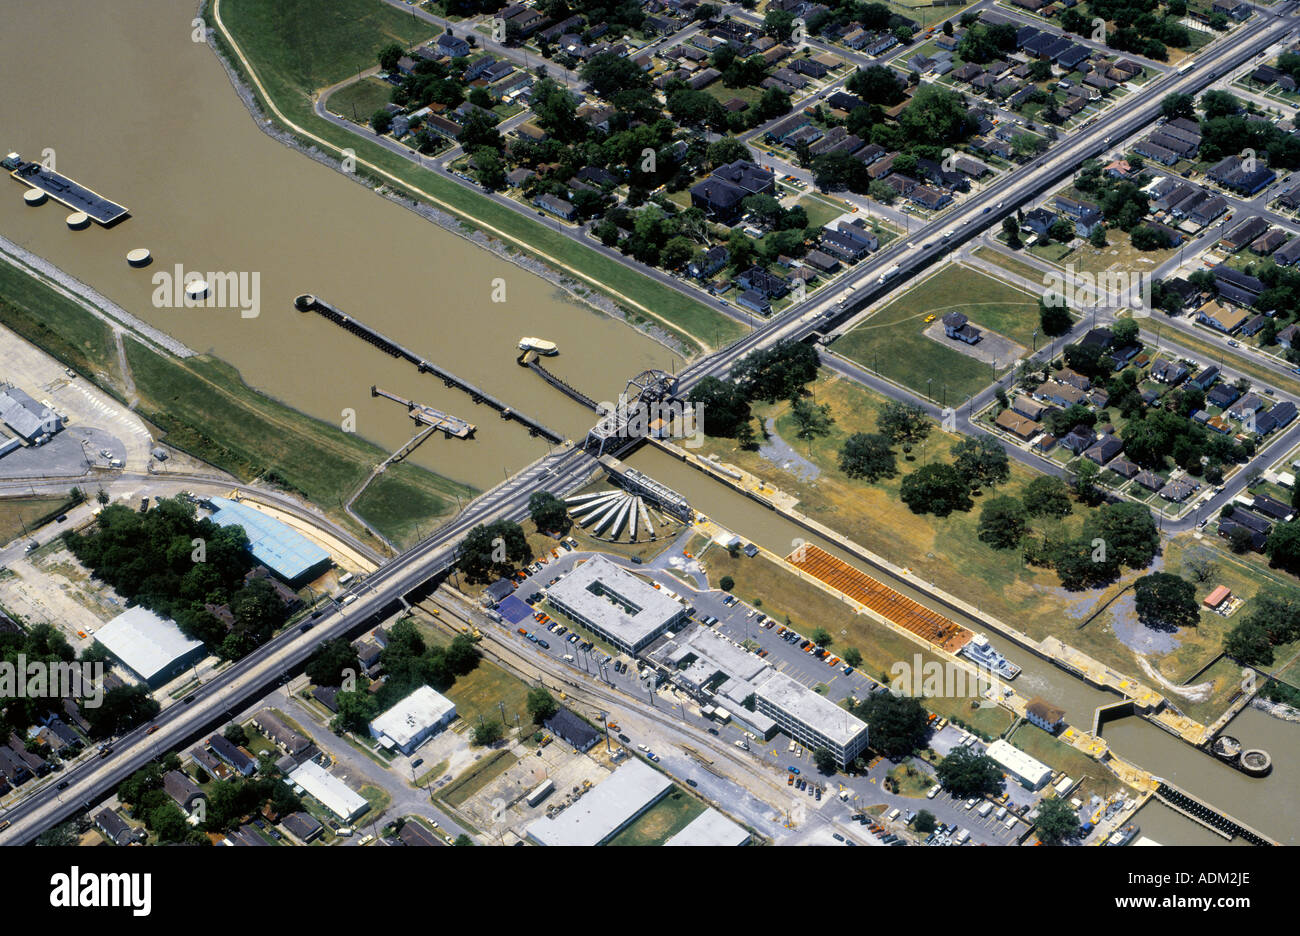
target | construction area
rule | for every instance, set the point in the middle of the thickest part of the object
(895, 607)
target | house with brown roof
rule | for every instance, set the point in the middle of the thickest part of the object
(1019, 426)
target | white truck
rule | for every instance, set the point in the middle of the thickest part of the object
(890, 273)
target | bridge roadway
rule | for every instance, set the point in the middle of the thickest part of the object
(918, 249)
(246, 679)
(243, 680)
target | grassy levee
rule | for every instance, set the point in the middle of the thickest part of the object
(65, 330)
(206, 409)
(893, 338)
(297, 48)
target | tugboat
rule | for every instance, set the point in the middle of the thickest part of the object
(540, 345)
(1123, 836)
(981, 651)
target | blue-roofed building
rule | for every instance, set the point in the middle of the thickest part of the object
(514, 610)
(283, 550)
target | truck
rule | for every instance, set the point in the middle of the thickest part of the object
(962, 836)
(985, 808)
(890, 273)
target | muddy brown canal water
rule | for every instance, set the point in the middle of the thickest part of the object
(134, 109)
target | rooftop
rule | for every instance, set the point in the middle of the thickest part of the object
(623, 604)
(146, 643)
(280, 548)
(598, 815)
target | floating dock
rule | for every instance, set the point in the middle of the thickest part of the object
(309, 303)
(451, 426)
(64, 190)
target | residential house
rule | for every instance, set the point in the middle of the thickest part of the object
(958, 327)
(1020, 426)
(1221, 318)
(451, 45)
(708, 263)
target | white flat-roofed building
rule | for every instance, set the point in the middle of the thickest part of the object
(711, 828)
(407, 724)
(697, 655)
(809, 718)
(329, 791)
(615, 604)
(150, 646)
(1029, 771)
(608, 809)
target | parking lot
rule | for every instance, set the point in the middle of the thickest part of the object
(740, 623)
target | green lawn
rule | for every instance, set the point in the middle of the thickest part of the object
(399, 506)
(23, 514)
(358, 101)
(661, 821)
(298, 47)
(892, 340)
(59, 326)
(207, 410)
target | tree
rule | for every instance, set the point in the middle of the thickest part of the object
(810, 419)
(853, 657)
(355, 710)
(1085, 479)
(236, 734)
(381, 121)
(1165, 601)
(548, 513)
(964, 773)
(1248, 643)
(1128, 532)
(462, 840)
(1055, 319)
(1178, 105)
(489, 170)
(608, 74)
(821, 637)
(493, 551)
(1056, 821)
(1047, 496)
(389, 56)
(1124, 332)
(924, 822)
(727, 583)
(721, 405)
(1098, 236)
(868, 456)
(936, 489)
(981, 461)
(331, 661)
(1081, 564)
(905, 423)
(1283, 547)
(776, 373)
(1002, 523)
(487, 732)
(900, 726)
(876, 84)
(1011, 228)
(541, 704)
(825, 760)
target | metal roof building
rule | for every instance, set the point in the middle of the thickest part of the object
(151, 647)
(1027, 770)
(329, 791)
(617, 605)
(283, 550)
(605, 811)
(809, 718)
(711, 828)
(421, 714)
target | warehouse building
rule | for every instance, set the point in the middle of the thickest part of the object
(1028, 771)
(33, 421)
(407, 724)
(809, 718)
(329, 791)
(616, 605)
(151, 647)
(604, 812)
(283, 550)
(711, 828)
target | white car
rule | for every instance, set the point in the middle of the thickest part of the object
(642, 747)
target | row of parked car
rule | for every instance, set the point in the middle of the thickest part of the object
(879, 831)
